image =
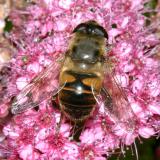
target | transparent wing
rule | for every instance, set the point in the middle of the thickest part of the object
(41, 88)
(116, 103)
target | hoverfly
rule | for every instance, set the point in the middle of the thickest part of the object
(81, 80)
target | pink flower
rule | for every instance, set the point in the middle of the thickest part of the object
(41, 34)
(27, 152)
(21, 82)
(146, 132)
(3, 110)
(95, 133)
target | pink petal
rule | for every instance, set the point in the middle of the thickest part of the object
(10, 132)
(27, 153)
(122, 79)
(137, 85)
(125, 22)
(3, 110)
(34, 68)
(146, 132)
(65, 4)
(154, 108)
(61, 25)
(42, 146)
(21, 82)
(130, 138)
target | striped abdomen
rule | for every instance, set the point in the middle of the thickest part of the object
(76, 98)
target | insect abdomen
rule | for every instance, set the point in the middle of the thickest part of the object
(76, 97)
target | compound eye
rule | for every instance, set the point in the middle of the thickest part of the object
(100, 31)
(91, 28)
(80, 28)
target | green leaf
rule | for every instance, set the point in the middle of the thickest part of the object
(9, 25)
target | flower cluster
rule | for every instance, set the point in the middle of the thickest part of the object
(41, 34)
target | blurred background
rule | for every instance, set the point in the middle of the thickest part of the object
(148, 149)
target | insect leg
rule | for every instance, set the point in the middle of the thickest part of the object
(59, 124)
(77, 129)
(55, 102)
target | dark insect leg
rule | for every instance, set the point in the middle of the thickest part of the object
(77, 129)
(59, 124)
(55, 102)
(4, 121)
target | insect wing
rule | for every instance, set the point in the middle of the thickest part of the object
(119, 108)
(41, 88)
